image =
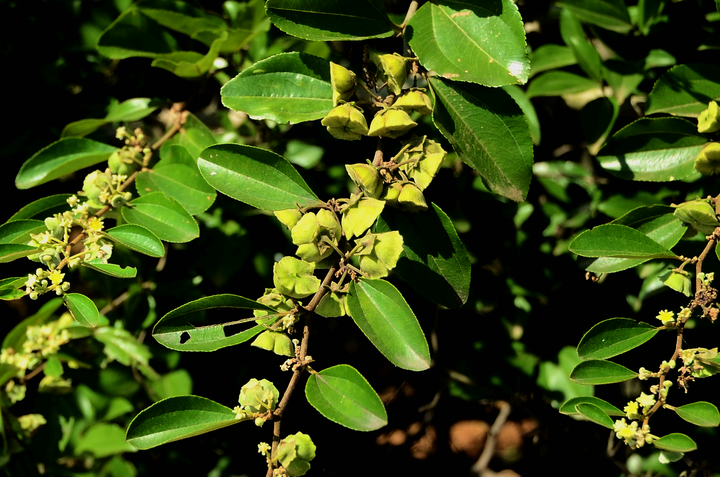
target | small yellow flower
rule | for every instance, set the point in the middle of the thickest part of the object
(72, 200)
(666, 317)
(56, 277)
(121, 132)
(30, 283)
(646, 400)
(684, 313)
(631, 410)
(94, 224)
(263, 448)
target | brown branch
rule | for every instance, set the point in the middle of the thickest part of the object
(302, 354)
(481, 466)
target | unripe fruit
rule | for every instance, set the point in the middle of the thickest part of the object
(294, 278)
(395, 71)
(258, 396)
(366, 177)
(391, 123)
(278, 343)
(294, 453)
(709, 120)
(708, 161)
(412, 199)
(346, 122)
(415, 100)
(342, 81)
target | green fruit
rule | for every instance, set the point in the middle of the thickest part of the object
(258, 396)
(361, 216)
(277, 342)
(395, 71)
(415, 100)
(709, 120)
(366, 177)
(294, 453)
(294, 278)
(391, 123)
(343, 83)
(708, 161)
(346, 122)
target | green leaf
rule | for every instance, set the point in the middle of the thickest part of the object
(701, 413)
(135, 34)
(383, 315)
(331, 20)
(597, 119)
(195, 136)
(123, 347)
(466, 41)
(13, 251)
(82, 309)
(613, 337)
(568, 406)
(344, 396)
(594, 414)
(558, 83)
(286, 88)
(685, 90)
(190, 64)
(163, 216)
(138, 238)
(489, 132)
(518, 95)
(573, 35)
(103, 439)
(18, 231)
(17, 336)
(175, 383)
(256, 176)
(609, 14)
(179, 182)
(596, 371)
(184, 329)
(549, 57)
(42, 208)
(611, 240)
(177, 418)
(60, 158)
(82, 127)
(133, 109)
(662, 149)
(12, 288)
(181, 17)
(657, 222)
(434, 259)
(110, 269)
(676, 442)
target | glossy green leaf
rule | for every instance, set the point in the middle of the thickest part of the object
(82, 127)
(195, 136)
(122, 346)
(594, 414)
(568, 406)
(13, 251)
(518, 95)
(175, 383)
(12, 288)
(60, 158)
(189, 64)
(344, 396)
(287, 88)
(383, 315)
(597, 119)
(163, 216)
(662, 149)
(111, 269)
(676, 442)
(82, 309)
(179, 182)
(596, 371)
(133, 109)
(482, 43)
(177, 418)
(613, 337)
(657, 222)
(701, 413)
(330, 20)
(186, 329)
(609, 14)
(558, 83)
(573, 35)
(620, 241)
(138, 238)
(135, 34)
(623, 77)
(256, 176)
(103, 439)
(18, 231)
(685, 90)
(181, 17)
(434, 259)
(549, 57)
(489, 132)
(42, 208)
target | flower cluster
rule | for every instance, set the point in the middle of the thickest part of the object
(632, 434)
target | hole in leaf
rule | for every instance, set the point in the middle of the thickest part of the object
(184, 337)
(231, 330)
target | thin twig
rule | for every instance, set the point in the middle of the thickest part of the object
(481, 466)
